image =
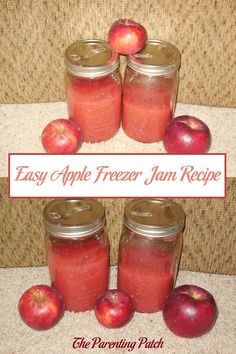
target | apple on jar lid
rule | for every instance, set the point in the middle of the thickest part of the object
(127, 36)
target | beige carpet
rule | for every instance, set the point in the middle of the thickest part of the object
(22, 124)
(17, 338)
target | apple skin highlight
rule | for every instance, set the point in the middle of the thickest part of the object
(61, 136)
(41, 307)
(114, 309)
(190, 311)
(187, 135)
(127, 36)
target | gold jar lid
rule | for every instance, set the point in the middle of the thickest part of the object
(73, 217)
(154, 217)
(155, 58)
(91, 58)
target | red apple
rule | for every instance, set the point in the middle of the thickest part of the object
(114, 309)
(41, 307)
(189, 311)
(61, 136)
(187, 135)
(127, 36)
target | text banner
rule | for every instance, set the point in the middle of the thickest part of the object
(116, 175)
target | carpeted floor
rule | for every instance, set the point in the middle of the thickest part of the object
(17, 338)
(22, 125)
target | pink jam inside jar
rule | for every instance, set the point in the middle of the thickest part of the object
(77, 250)
(150, 90)
(93, 89)
(149, 251)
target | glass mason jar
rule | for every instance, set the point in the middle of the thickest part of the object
(150, 91)
(93, 88)
(149, 251)
(77, 250)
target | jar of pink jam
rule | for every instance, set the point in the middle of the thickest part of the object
(93, 88)
(77, 250)
(150, 90)
(149, 251)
